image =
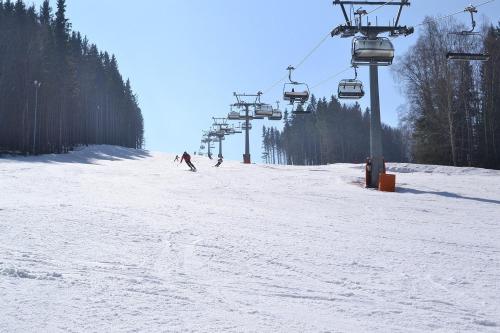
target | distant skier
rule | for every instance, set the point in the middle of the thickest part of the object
(176, 158)
(210, 156)
(219, 162)
(186, 157)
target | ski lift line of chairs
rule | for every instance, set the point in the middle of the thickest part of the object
(351, 88)
(296, 93)
(261, 112)
(468, 56)
(366, 52)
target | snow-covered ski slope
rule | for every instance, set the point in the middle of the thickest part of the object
(114, 240)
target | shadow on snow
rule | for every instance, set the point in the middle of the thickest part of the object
(448, 195)
(85, 155)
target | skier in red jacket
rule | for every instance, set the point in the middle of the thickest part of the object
(186, 157)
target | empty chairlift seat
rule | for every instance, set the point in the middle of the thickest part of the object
(233, 115)
(379, 51)
(351, 89)
(456, 56)
(263, 110)
(277, 115)
(459, 55)
(244, 126)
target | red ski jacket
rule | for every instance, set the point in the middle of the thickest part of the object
(186, 157)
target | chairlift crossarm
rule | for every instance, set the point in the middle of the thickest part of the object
(372, 3)
(373, 30)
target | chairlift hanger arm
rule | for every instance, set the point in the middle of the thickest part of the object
(290, 70)
(347, 20)
(472, 10)
(241, 103)
(399, 15)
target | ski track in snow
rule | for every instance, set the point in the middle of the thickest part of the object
(114, 240)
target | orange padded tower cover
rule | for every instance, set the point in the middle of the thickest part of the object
(387, 183)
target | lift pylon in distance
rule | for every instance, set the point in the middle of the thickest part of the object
(246, 104)
(250, 108)
(460, 55)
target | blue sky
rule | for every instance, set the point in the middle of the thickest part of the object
(186, 57)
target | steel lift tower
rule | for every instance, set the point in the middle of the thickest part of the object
(247, 117)
(221, 130)
(368, 49)
(207, 139)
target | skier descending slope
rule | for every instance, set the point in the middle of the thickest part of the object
(186, 157)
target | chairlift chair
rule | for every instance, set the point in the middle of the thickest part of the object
(244, 126)
(233, 115)
(263, 110)
(351, 88)
(468, 56)
(454, 56)
(293, 95)
(365, 51)
(277, 115)
(295, 92)
(238, 129)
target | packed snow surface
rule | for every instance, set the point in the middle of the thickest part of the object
(108, 239)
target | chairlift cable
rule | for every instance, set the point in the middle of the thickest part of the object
(331, 78)
(315, 48)
(441, 18)
(459, 12)
(323, 40)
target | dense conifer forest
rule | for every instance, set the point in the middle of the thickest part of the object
(58, 90)
(333, 133)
